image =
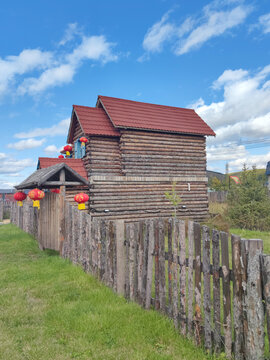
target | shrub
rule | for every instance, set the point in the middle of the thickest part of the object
(249, 203)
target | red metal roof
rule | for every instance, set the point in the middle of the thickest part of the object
(95, 121)
(75, 164)
(138, 115)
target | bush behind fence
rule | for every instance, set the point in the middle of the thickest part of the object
(183, 273)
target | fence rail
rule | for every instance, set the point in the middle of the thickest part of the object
(214, 293)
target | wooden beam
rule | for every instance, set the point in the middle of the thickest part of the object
(63, 183)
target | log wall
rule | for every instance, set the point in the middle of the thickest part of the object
(141, 197)
(103, 156)
(158, 154)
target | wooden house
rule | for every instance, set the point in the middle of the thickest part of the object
(135, 152)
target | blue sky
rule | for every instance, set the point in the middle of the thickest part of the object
(211, 56)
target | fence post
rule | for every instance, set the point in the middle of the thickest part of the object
(207, 288)
(237, 298)
(1, 210)
(226, 293)
(255, 310)
(120, 257)
(190, 276)
(265, 261)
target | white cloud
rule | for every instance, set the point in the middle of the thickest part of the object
(260, 161)
(52, 149)
(158, 34)
(28, 60)
(26, 144)
(228, 152)
(216, 24)
(6, 184)
(92, 48)
(11, 166)
(245, 108)
(59, 129)
(264, 22)
(33, 71)
(217, 18)
(70, 33)
(95, 48)
(241, 118)
(56, 76)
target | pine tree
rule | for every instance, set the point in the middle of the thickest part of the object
(249, 203)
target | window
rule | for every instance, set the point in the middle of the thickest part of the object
(79, 150)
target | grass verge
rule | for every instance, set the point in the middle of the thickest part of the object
(50, 309)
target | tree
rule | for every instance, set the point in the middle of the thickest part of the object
(217, 185)
(249, 203)
(173, 197)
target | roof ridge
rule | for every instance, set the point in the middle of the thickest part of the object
(87, 107)
(146, 103)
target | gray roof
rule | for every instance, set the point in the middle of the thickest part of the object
(7, 191)
(39, 177)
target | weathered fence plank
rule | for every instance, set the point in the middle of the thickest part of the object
(265, 261)
(226, 294)
(206, 290)
(162, 278)
(182, 276)
(156, 232)
(140, 267)
(1, 210)
(190, 276)
(198, 284)
(237, 298)
(132, 259)
(136, 259)
(151, 245)
(120, 256)
(175, 246)
(170, 265)
(255, 311)
(216, 290)
(127, 242)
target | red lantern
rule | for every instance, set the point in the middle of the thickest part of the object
(67, 149)
(36, 195)
(83, 140)
(61, 157)
(81, 200)
(20, 196)
(56, 191)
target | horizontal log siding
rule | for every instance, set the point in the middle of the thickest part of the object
(156, 154)
(103, 156)
(127, 199)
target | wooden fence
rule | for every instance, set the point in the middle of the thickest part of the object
(1, 210)
(215, 291)
(217, 196)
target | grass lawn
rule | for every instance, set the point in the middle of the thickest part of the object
(50, 309)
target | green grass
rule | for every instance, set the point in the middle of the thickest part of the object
(252, 234)
(50, 309)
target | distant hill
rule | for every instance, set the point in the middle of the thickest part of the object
(218, 175)
(259, 172)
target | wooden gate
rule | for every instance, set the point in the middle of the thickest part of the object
(49, 222)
